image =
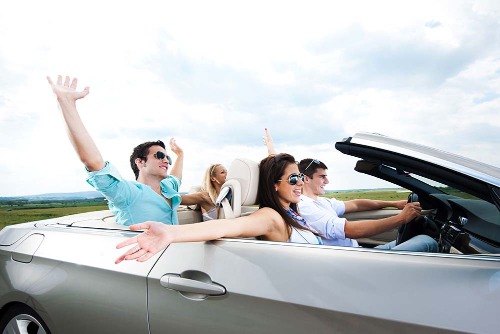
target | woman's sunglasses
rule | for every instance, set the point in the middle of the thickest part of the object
(293, 179)
(160, 156)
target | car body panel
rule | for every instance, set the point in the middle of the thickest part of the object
(73, 281)
(293, 288)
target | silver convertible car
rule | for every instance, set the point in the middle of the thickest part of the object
(59, 275)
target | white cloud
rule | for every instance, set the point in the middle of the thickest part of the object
(214, 74)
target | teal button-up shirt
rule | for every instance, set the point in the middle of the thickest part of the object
(133, 202)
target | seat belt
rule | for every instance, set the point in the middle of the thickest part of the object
(228, 210)
(222, 200)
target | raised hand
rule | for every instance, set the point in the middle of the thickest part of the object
(175, 148)
(67, 91)
(268, 141)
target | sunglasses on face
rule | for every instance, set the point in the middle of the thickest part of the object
(317, 162)
(160, 156)
(293, 179)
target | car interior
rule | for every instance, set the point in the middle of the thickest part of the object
(461, 225)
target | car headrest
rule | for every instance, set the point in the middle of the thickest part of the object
(240, 188)
(246, 172)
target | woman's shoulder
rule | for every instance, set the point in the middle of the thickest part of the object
(268, 211)
(271, 215)
(276, 228)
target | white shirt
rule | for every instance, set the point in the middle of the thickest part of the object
(323, 216)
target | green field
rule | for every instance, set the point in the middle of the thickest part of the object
(14, 212)
(386, 195)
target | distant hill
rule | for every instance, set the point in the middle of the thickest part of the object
(57, 196)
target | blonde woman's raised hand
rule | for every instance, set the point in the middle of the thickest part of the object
(268, 141)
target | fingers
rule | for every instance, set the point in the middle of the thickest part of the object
(67, 80)
(120, 259)
(127, 242)
(135, 253)
(268, 135)
(140, 226)
(145, 257)
(127, 253)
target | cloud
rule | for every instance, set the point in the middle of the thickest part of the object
(215, 74)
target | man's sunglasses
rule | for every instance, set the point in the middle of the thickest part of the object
(317, 162)
(293, 179)
(160, 156)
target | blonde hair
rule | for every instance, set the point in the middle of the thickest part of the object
(207, 182)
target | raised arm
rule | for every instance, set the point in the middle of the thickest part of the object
(179, 162)
(264, 222)
(268, 141)
(79, 137)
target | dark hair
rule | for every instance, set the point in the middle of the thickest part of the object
(271, 169)
(141, 151)
(309, 166)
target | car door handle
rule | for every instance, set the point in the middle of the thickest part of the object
(175, 282)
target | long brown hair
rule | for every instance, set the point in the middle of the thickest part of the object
(271, 169)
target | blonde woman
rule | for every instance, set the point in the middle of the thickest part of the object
(214, 178)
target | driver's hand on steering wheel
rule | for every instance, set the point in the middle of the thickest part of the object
(411, 211)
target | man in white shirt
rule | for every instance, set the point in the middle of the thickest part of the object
(324, 214)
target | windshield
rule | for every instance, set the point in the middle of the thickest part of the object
(444, 188)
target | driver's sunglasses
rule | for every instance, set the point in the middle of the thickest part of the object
(160, 156)
(293, 179)
(317, 162)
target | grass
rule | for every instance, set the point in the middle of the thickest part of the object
(386, 195)
(15, 214)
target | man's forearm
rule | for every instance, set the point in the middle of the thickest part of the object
(369, 228)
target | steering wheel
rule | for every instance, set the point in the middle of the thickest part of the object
(412, 228)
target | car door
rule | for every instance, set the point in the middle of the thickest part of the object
(293, 288)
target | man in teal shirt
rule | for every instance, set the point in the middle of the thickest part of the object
(153, 196)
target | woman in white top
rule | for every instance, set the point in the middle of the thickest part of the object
(214, 178)
(280, 186)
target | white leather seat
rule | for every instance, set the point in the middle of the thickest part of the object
(242, 184)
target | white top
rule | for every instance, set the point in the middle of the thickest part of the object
(303, 237)
(210, 214)
(323, 215)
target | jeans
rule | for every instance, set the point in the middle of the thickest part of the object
(419, 243)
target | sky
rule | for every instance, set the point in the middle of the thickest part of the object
(214, 74)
